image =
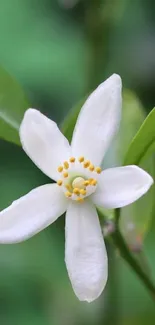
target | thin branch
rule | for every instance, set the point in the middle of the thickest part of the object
(119, 242)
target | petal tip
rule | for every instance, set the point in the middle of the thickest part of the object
(113, 82)
(31, 111)
(148, 178)
(28, 113)
(115, 78)
(150, 181)
(91, 297)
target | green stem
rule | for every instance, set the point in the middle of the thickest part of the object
(110, 295)
(117, 216)
(128, 257)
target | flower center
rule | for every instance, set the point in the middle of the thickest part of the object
(78, 178)
(78, 182)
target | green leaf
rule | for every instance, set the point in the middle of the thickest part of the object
(135, 219)
(13, 104)
(143, 143)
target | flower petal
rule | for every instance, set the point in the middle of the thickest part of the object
(121, 186)
(43, 142)
(85, 252)
(31, 213)
(98, 121)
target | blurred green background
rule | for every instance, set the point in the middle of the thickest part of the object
(58, 51)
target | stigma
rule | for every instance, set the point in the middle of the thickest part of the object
(78, 182)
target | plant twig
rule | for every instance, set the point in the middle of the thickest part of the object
(119, 242)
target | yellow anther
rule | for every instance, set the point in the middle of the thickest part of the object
(86, 183)
(86, 164)
(59, 182)
(83, 192)
(91, 168)
(94, 182)
(68, 186)
(66, 164)
(80, 199)
(72, 159)
(81, 159)
(76, 191)
(98, 170)
(65, 175)
(60, 169)
(68, 194)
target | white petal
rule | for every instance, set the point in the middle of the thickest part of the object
(85, 252)
(43, 142)
(31, 213)
(121, 186)
(98, 121)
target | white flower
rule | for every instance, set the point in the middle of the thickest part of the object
(80, 186)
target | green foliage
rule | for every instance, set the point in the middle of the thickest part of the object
(12, 107)
(143, 143)
(135, 218)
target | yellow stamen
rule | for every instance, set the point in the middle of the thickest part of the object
(94, 182)
(80, 199)
(76, 191)
(68, 194)
(60, 169)
(91, 168)
(68, 186)
(81, 159)
(86, 183)
(65, 175)
(59, 182)
(98, 170)
(72, 159)
(86, 164)
(66, 164)
(83, 192)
